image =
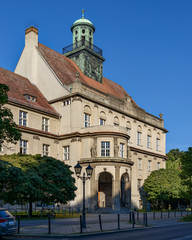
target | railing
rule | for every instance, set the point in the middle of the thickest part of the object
(82, 43)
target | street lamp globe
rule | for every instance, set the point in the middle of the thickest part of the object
(78, 169)
(89, 171)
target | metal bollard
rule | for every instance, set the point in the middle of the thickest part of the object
(153, 214)
(181, 213)
(130, 215)
(100, 223)
(18, 224)
(118, 216)
(143, 218)
(146, 219)
(49, 224)
(81, 225)
(133, 219)
(138, 215)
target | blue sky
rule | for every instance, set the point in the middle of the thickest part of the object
(147, 45)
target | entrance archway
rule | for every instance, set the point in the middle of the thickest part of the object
(125, 191)
(105, 190)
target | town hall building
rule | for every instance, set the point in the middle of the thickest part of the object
(66, 109)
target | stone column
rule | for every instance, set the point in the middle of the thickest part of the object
(93, 192)
(116, 189)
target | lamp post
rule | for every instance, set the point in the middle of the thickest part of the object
(89, 171)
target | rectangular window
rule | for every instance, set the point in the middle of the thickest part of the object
(101, 121)
(129, 133)
(122, 149)
(148, 141)
(105, 149)
(158, 165)
(45, 151)
(23, 146)
(139, 138)
(157, 144)
(66, 153)
(138, 184)
(45, 124)
(67, 102)
(149, 166)
(22, 118)
(86, 120)
(139, 163)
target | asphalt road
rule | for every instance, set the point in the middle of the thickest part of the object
(176, 232)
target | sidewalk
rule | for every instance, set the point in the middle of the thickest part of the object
(71, 227)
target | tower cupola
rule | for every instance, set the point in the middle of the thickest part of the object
(82, 30)
(83, 52)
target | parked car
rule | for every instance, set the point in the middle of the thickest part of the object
(7, 223)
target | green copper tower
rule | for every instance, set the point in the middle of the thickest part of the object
(83, 52)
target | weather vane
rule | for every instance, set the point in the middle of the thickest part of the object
(83, 12)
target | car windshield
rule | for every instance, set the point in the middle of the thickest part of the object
(5, 214)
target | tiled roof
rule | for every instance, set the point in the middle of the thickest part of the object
(65, 69)
(19, 86)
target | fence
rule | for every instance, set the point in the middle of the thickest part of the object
(102, 222)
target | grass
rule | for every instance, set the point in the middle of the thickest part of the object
(186, 219)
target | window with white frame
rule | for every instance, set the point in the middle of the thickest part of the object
(138, 184)
(22, 118)
(157, 144)
(149, 165)
(87, 118)
(139, 138)
(66, 153)
(158, 165)
(45, 151)
(105, 149)
(23, 146)
(129, 133)
(148, 141)
(45, 124)
(122, 150)
(101, 121)
(139, 163)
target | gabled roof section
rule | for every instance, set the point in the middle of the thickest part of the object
(65, 69)
(19, 87)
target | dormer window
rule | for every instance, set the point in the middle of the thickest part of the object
(83, 31)
(30, 98)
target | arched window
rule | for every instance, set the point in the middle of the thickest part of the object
(149, 135)
(139, 134)
(116, 121)
(158, 139)
(87, 116)
(128, 127)
(102, 118)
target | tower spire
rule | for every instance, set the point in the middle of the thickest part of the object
(83, 13)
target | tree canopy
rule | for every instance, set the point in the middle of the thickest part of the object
(8, 128)
(37, 179)
(174, 159)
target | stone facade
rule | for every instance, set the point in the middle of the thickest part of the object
(94, 122)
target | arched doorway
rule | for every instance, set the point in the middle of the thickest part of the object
(125, 191)
(105, 190)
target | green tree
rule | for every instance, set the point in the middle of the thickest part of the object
(174, 159)
(163, 185)
(186, 171)
(42, 179)
(8, 128)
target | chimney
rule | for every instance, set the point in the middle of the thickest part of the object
(31, 36)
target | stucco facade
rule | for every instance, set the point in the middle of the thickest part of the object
(94, 122)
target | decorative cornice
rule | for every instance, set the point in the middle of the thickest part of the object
(137, 150)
